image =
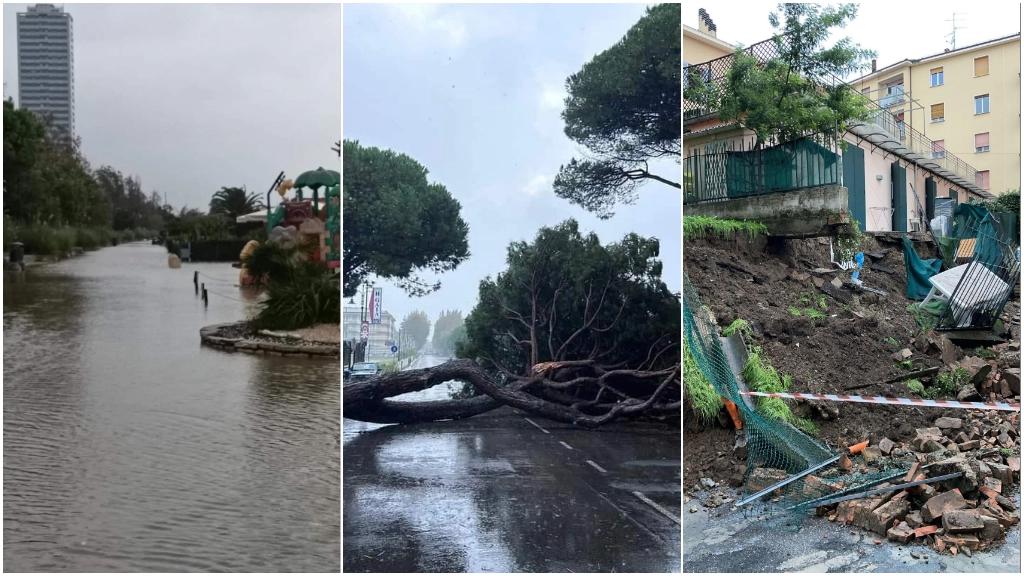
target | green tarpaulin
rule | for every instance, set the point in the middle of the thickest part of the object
(919, 271)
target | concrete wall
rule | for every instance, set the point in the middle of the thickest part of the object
(802, 213)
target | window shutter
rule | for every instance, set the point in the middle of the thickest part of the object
(938, 111)
(936, 70)
(981, 140)
(938, 146)
(981, 66)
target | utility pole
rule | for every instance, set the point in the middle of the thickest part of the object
(952, 35)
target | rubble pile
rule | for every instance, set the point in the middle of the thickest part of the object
(958, 515)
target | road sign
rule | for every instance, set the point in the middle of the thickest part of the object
(364, 331)
(394, 349)
(376, 306)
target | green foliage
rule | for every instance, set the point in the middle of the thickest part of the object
(948, 383)
(891, 341)
(704, 400)
(761, 376)
(311, 295)
(565, 296)
(847, 243)
(234, 202)
(274, 262)
(695, 227)
(804, 299)
(794, 311)
(739, 325)
(396, 223)
(813, 314)
(986, 354)
(917, 387)
(624, 107)
(1006, 452)
(417, 326)
(822, 302)
(792, 94)
(904, 365)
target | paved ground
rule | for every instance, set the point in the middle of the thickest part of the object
(505, 493)
(722, 540)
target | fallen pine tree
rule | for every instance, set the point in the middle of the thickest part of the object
(581, 393)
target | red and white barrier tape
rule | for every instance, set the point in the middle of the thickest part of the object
(899, 401)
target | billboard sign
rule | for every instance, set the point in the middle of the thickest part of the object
(364, 332)
(376, 306)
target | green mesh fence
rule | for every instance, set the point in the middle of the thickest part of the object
(776, 450)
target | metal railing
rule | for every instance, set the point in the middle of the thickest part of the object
(714, 72)
(985, 282)
(723, 172)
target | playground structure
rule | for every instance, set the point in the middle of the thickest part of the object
(317, 221)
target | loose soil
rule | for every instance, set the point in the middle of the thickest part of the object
(759, 281)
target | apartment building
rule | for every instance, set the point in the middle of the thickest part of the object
(966, 101)
(377, 346)
(46, 64)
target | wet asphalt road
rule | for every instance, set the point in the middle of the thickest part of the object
(503, 493)
(722, 540)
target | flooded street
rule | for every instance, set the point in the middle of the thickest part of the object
(129, 447)
(502, 493)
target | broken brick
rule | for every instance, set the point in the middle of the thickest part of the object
(934, 508)
(962, 521)
(914, 519)
(992, 530)
(925, 530)
(888, 514)
(900, 533)
(762, 478)
(885, 446)
(968, 445)
(871, 454)
(1001, 472)
(949, 423)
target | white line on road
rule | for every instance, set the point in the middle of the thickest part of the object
(657, 507)
(596, 467)
(564, 444)
(537, 425)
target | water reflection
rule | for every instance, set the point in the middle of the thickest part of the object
(128, 446)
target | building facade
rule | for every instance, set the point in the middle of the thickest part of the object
(966, 101)
(377, 346)
(46, 64)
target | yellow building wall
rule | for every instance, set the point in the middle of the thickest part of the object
(957, 93)
(697, 50)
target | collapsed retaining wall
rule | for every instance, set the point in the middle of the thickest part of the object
(214, 337)
(804, 213)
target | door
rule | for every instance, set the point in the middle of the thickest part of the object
(899, 198)
(853, 179)
(930, 192)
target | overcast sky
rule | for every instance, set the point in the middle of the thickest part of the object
(193, 97)
(474, 93)
(895, 30)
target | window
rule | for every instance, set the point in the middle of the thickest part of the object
(866, 91)
(981, 104)
(981, 142)
(893, 95)
(938, 112)
(980, 66)
(939, 149)
(937, 77)
(981, 179)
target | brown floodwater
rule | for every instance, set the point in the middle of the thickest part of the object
(129, 447)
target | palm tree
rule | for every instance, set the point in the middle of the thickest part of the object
(234, 202)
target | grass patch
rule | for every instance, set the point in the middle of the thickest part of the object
(794, 311)
(761, 376)
(696, 227)
(905, 365)
(1006, 452)
(739, 325)
(813, 314)
(891, 342)
(917, 387)
(986, 354)
(949, 382)
(704, 399)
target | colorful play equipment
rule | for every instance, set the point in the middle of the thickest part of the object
(317, 220)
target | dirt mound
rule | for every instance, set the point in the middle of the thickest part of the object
(855, 348)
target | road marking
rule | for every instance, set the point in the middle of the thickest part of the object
(657, 507)
(564, 444)
(537, 425)
(627, 515)
(596, 467)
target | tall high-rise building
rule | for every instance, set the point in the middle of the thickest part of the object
(46, 64)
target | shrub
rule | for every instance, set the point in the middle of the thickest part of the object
(273, 261)
(311, 295)
(917, 387)
(704, 400)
